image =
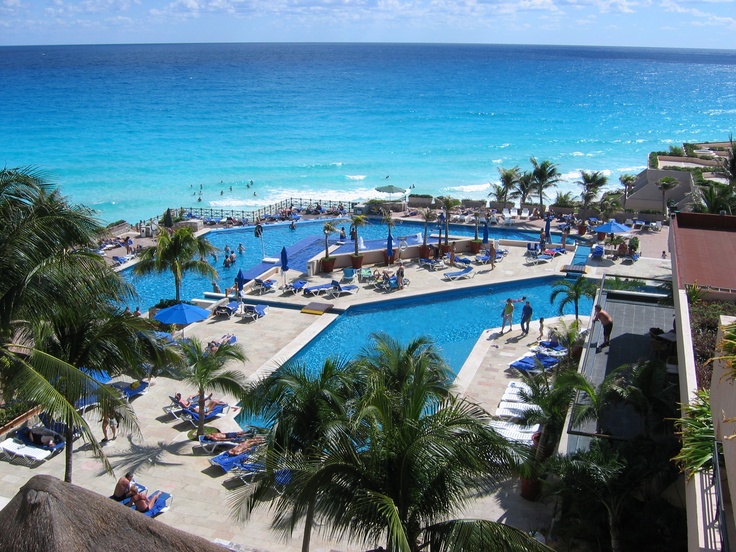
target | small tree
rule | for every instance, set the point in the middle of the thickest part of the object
(572, 292)
(328, 229)
(666, 184)
(356, 221)
(428, 215)
(448, 203)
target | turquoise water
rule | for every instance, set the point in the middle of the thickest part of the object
(154, 287)
(133, 129)
(454, 320)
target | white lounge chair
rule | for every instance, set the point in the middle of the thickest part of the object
(511, 411)
(13, 449)
(466, 272)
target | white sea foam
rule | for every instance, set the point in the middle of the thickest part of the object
(355, 176)
(469, 188)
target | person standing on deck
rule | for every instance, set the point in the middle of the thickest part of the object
(526, 317)
(606, 321)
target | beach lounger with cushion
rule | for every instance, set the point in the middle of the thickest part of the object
(318, 289)
(511, 411)
(538, 259)
(227, 310)
(432, 264)
(263, 286)
(337, 289)
(466, 272)
(217, 412)
(511, 426)
(131, 389)
(162, 504)
(533, 363)
(235, 438)
(516, 436)
(22, 447)
(174, 408)
(295, 287)
(254, 312)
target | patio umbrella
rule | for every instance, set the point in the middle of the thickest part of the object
(389, 246)
(547, 224)
(182, 314)
(284, 263)
(240, 280)
(390, 189)
(485, 232)
(612, 227)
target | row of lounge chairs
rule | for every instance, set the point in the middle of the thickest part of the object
(234, 308)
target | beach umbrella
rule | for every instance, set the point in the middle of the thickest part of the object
(485, 232)
(182, 314)
(240, 280)
(390, 190)
(389, 246)
(612, 227)
(284, 263)
(547, 224)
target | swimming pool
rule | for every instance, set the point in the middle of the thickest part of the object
(308, 235)
(454, 320)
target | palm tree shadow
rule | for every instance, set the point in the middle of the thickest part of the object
(141, 456)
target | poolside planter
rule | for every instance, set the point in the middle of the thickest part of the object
(328, 264)
(356, 261)
(388, 260)
(445, 248)
(475, 246)
(530, 488)
(424, 251)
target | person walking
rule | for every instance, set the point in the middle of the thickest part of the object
(606, 321)
(492, 255)
(508, 315)
(526, 317)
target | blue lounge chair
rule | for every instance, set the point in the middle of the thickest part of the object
(263, 286)
(466, 272)
(295, 287)
(348, 275)
(57, 427)
(24, 436)
(597, 252)
(538, 259)
(234, 438)
(318, 289)
(337, 289)
(229, 462)
(432, 264)
(254, 312)
(227, 310)
(464, 261)
(132, 389)
(162, 504)
(217, 412)
(535, 363)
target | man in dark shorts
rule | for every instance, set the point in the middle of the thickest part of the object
(606, 321)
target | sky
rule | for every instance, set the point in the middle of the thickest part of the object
(651, 23)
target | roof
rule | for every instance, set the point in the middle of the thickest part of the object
(704, 247)
(50, 515)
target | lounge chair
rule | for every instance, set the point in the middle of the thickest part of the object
(366, 276)
(229, 462)
(511, 411)
(466, 272)
(254, 312)
(348, 275)
(218, 411)
(538, 259)
(511, 426)
(174, 408)
(23, 448)
(464, 261)
(516, 436)
(318, 289)
(162, 504)
(263, 286)
(234, 439)
(338, 289)
(58, 427)
(533, 363)
(227, 310)
(597, 252)
(391, 284)
(524, 214)
(131, 389)
(295, 287)
(432, 264)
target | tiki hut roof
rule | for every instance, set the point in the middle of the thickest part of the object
(50, 515)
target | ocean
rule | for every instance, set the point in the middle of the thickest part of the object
(130, 130)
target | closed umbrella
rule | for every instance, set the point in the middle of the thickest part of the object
(485, 232)
(389, 246)
(240, 280)
(284, 263)
(547, 224)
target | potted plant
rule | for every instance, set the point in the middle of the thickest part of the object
(633, 245)
(428, 215)
(447, 203)
(328, 263)
(475, 243)
(356, 221)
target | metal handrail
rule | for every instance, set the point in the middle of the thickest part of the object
(720, 504)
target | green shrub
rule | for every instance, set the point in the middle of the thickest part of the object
(13, 410)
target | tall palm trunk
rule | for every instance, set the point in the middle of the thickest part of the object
(308, 522)
(68, 450)
(201, 413)
(614, 532)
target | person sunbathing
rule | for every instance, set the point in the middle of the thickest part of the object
(246, 445)
(231, 436)
(141, 502)
(41, 439)
(207, 407)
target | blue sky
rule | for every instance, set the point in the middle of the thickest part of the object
(664, 23)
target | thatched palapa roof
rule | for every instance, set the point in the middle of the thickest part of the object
(50, 515)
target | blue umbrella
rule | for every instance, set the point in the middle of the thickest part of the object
(547, 223)
(240, 280)
(612, 227)
(485, 232)
(182, 314)
(284, 263)
(390, 245)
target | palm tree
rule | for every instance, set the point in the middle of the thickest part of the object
(572, 292)
(627, 181)
(47, 273)
(665, 184)
(609, 204)
(305, 410)
(205, 370)
(509, 180)
(448, 203)
(564, 199)
(545, 176)
(597, 399)
(715, 198)
(498, 193)
(428, 215)
(524, 187)
(356, 221)
(729, 162)
(180, 252)
(591, 182)
(328, 229)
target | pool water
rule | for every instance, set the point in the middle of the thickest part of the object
(154, 287)
(454, 320)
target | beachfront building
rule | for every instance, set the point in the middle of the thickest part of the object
(703, 250)
(646, 196)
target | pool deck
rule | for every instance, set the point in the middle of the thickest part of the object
(164, 459)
